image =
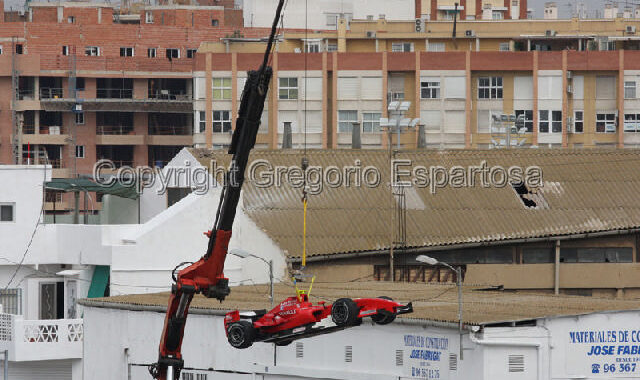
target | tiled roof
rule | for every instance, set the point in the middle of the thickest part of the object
(584, 191)
(433, 302)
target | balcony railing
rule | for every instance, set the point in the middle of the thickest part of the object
(51, 130)
(41, 339)
(170, 130)
(114, 93)
(119, 163)
(24, 94)
(28, 129)
(51, 93)
(114, 129)
(169, 95)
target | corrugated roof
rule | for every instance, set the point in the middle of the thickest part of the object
(584, 191)
(433, 302)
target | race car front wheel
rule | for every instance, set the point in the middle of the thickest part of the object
(241, 334)
(383, 318)
(344, 312)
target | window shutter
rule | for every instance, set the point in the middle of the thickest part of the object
(371, 88)
(348, 88)
(455, 87)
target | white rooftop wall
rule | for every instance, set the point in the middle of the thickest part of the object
(260, 13)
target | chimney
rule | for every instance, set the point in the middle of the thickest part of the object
(287, 140)
(422, 139)
(550, 11)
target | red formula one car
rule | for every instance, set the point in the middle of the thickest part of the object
(295, 318)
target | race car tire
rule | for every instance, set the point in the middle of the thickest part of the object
(382, 319)
(344, 312)
(241, 334)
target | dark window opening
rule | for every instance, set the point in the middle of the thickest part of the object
(120, 155)
(19, 49)
(191, 53)
(114, 88)
(80, 84)
(523, 193)
(215, 22)
(175, 194)
(7, 213)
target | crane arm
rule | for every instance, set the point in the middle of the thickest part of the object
(206, 276)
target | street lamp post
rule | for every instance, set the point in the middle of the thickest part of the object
(431, 261)
(244, 254)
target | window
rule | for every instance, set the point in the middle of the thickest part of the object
(312, 46)
(346, 120)
(92, 51)
(222, 121)
(19, 49)
(11, 300)
(0, 49)
(596, 255)
(79, 151)
(80, 84)
(65, 50)
(7, 212)
(288, 88)
(528, 119)
(371, 122)
(505, 46)
(430, 89)
(173, 53)
(151, 52)
(191, 53)
(605, 122)
(148, 17)
(550, 121)
(332, 19)
(630, 90)
(332, 47)
(403, 47)
(490, 88)
(71, 19)
(578, 121)
(632, 122)
(497, 15)
(435, 46)
(202, 121)
(215, 22)
(221, 88)
(80, 118)
(126, 52)
(607, 45)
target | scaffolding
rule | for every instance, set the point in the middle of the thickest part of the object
(16, 119)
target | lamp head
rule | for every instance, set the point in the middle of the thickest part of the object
(427, 260)
(241, 253)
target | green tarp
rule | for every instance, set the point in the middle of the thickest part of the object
(99, 282)
(82, 185)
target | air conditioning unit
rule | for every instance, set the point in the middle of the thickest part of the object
(371, 34)
(297, 50)
(550, 33)
(569, 75)
(569, 89)
(469, 33)
(419, 26)
(631, 29)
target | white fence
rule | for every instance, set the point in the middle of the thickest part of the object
(41, 339)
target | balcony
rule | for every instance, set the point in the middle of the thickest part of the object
(48, 135)
(169, 95)
(117, 135)
(30, 340)
(170, 135)
(51, 93)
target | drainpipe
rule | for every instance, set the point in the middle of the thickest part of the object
(557, 269)
(503, 343)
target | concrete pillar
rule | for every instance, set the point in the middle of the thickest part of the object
(620, 130)
(565, 101)
(325, 100)
(208, 87)
(556, 282)
(467, 106)
(334, 107)
(534, 139)
(234, 89)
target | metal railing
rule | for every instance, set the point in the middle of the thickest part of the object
(28, 129)
(24, 94)
(51, 93)
(114, 93)
(114, 129)
(169, 95)
(51, 130)
(118, 163)
(170, 130)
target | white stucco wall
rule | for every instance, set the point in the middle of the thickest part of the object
(260, 13)
(547, 349)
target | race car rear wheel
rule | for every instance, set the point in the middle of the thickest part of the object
(383, 319)
(241, 334)
(344, 312)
